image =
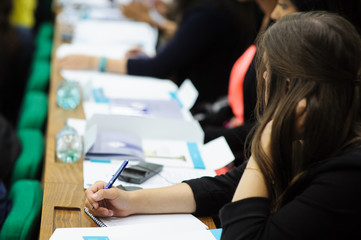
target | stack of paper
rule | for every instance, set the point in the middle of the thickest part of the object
(113, 33)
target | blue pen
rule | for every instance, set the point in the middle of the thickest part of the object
(115, 176)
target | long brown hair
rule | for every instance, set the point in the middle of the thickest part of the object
(316, 56)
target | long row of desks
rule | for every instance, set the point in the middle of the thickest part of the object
(63, 200)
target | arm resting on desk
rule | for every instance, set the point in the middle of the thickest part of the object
(85, 62)
(115, 202)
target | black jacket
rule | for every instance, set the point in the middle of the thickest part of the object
(324, 204)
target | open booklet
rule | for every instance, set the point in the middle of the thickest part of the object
(116, 145)
(138, 107)
(154, 226)
(146, 219)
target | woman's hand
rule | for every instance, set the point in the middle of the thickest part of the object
(78, 62)
(136, 53)
(266, 138)
(300, 118)
(137, 11)
(107, 202)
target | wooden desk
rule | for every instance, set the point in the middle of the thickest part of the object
(63, 200)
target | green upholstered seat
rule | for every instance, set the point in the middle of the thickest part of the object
(46, 31)
(34, 110)
(44, 41)
(43, 49)
(23, 221)
(29, 162)
(39, 75)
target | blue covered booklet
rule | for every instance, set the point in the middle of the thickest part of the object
(116, 145)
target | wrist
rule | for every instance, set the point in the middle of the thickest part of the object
(123, 66)
(93, 63)
(136, 203)
(102, 64)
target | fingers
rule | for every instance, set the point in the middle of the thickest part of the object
(89, 193)
(101, 211)
(109, 194)
(300, 117)
(135, 52)
(97, 198)
(301, 113)
(266, 137)
(301, 107)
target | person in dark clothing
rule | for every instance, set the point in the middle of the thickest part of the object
(302, 178)
(16, 49)
(224, 122)
(209, 39)
(10, 148)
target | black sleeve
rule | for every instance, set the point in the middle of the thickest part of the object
(212, 193)
(328, 207)
(10, 148)
(196, 34)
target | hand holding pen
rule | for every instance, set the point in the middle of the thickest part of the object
(103, 200)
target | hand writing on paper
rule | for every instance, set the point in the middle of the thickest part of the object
(112, 201)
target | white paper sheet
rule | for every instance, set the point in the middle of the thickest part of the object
(115, 51)
(102, 33)
(150, 231)
(78, 124)
(184, 220)
(125, 86)
(103, 171)
(216, 153)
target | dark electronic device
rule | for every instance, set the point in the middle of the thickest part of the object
(140, 173)
(128, 188)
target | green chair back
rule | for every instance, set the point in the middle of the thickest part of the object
(34, 110)
(29, 162)
(39, 75)
(23, 221)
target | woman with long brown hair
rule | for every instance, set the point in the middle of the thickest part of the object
(302, 180)
(239, 113)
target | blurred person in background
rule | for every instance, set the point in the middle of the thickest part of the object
(211, 35)
(16, 49)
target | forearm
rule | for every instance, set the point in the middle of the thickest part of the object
(174, 199)
(116, 66)
(252, 183)
(111, 65)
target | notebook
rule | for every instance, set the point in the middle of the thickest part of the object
(99, 222)
(176, 219)
(116, 145)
